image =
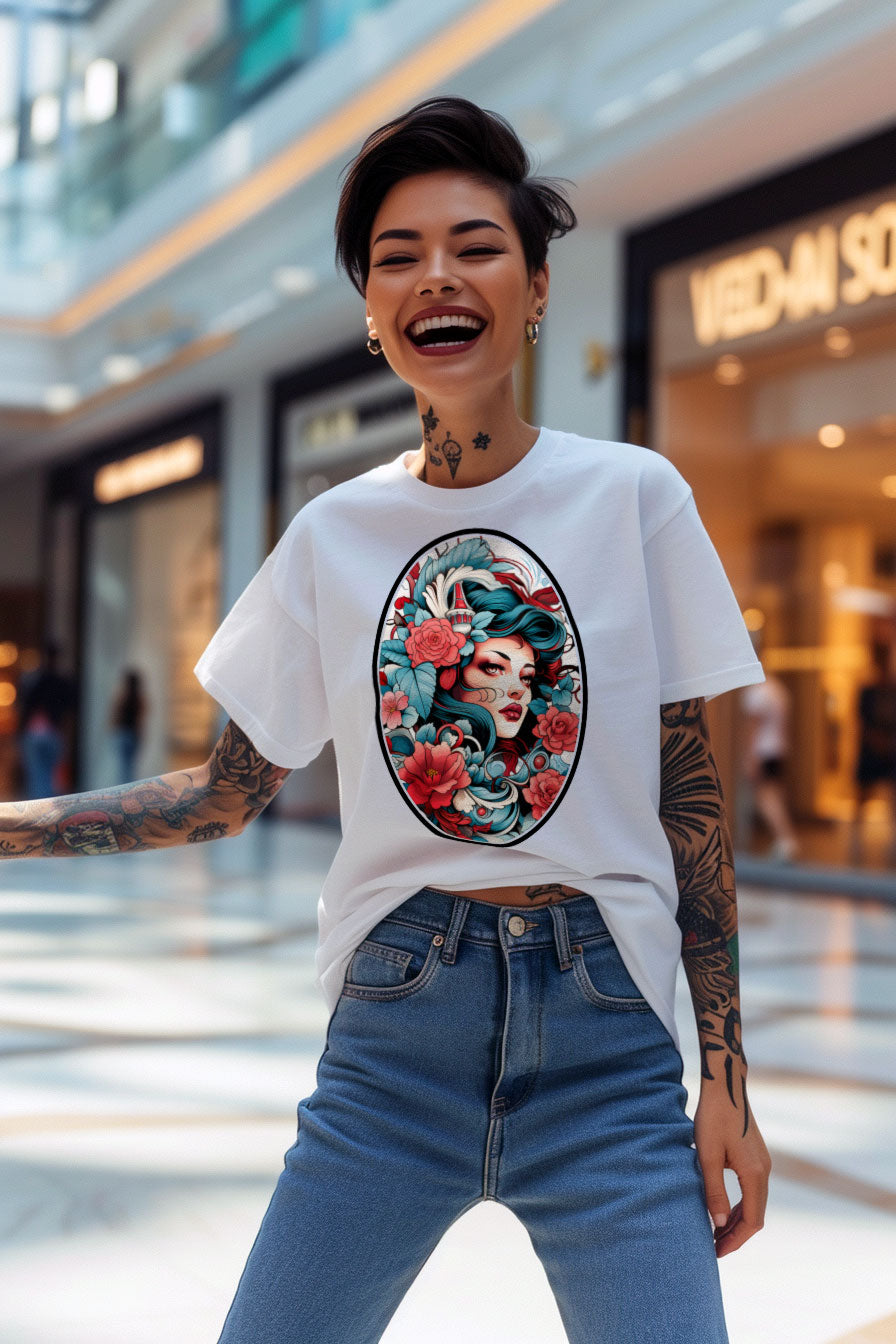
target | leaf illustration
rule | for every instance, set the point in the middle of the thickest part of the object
(419, 685)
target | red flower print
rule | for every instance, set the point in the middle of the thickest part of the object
(390, 710)
(558, 729)
(434, 774)
(541, 791)
(435, 641)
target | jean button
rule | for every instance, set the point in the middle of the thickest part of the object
(517, 925)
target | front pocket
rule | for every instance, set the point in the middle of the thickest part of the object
(383, 971)
(602, 976)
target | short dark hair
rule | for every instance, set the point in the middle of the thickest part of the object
(439, 133)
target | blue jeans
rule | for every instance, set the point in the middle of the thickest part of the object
(488, 1052)
(41, 753)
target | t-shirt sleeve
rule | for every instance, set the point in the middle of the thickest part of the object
(702, 644)
(263, 663)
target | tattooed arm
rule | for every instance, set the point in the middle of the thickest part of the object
(692, 813)
(218, 798)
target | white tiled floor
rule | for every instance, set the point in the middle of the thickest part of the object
(159, 1022)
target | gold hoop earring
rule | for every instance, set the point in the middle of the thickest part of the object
(532, 333)
(374, 345)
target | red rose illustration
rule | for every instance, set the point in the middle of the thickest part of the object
(435, 641)
(541, 791)
(558, 729)
(433, 774)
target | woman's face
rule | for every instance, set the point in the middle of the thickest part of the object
(499, 677)
(458, 249)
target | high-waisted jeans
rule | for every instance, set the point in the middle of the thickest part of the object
(477, 1052)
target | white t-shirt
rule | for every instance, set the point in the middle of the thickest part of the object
(490, 663)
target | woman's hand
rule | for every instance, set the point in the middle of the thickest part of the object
(725, 1137)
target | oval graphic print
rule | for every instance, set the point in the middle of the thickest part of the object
(480, 688)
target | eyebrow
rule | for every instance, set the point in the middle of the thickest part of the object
(412, 235)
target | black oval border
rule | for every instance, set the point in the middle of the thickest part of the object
(527, 550)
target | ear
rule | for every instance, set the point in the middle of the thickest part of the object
(540, 285)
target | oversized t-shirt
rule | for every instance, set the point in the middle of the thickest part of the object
(490, 664)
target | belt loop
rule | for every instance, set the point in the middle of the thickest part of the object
(561, 936)
(458, 915)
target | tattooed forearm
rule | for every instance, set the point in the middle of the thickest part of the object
(187, 806)
(692, 813)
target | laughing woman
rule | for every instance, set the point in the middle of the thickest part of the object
(534, 836)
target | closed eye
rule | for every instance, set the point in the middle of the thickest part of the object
(392, 261)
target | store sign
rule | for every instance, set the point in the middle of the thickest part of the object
(822, 269)
(149, 470)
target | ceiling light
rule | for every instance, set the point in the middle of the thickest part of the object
(730, 50)
(839, 342)
(61, 397)
(754, 619)
(46, 116)
(804, 11)
(612, 113)
(664, 86)
(294, 280)
(888, 485)
(245, 312)
(729, 370)
(121, 368)
(100, 90)
(832, 436)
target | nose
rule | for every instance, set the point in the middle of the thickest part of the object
(436, 278)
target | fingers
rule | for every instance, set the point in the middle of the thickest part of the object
(748, 1215)
(717, 1200)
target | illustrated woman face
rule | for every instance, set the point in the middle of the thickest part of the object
(499, 677)
(443, 240)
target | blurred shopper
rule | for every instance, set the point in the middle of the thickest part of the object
(768, 710)
(46, 702)
(128, 718)
(876, 761)
(498, 940)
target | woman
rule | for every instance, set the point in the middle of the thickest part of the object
(501, 993)
(127, 719)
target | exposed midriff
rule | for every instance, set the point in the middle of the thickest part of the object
(528, 896)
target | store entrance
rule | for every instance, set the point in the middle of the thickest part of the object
(791, 452)
(152, 581)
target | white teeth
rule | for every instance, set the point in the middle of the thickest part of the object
(454, 320)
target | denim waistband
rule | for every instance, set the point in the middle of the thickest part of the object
(563, 923)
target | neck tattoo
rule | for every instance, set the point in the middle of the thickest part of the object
(440, 450)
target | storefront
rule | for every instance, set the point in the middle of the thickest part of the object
(133, 585)
(761, 361)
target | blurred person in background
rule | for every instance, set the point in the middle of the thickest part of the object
(767, 707)
(876, 760)
(127, 719)
(46, 703)
(502, 925)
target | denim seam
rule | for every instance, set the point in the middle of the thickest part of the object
(386, 993)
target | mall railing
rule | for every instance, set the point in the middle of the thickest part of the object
(75, 192)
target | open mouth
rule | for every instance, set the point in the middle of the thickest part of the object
(512, 712)
(445, 334)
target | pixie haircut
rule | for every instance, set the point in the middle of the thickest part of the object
(451, 133)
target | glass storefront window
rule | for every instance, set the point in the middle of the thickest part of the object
(152, 605)
(774, 395)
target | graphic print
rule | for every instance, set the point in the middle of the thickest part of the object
(480, 688)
